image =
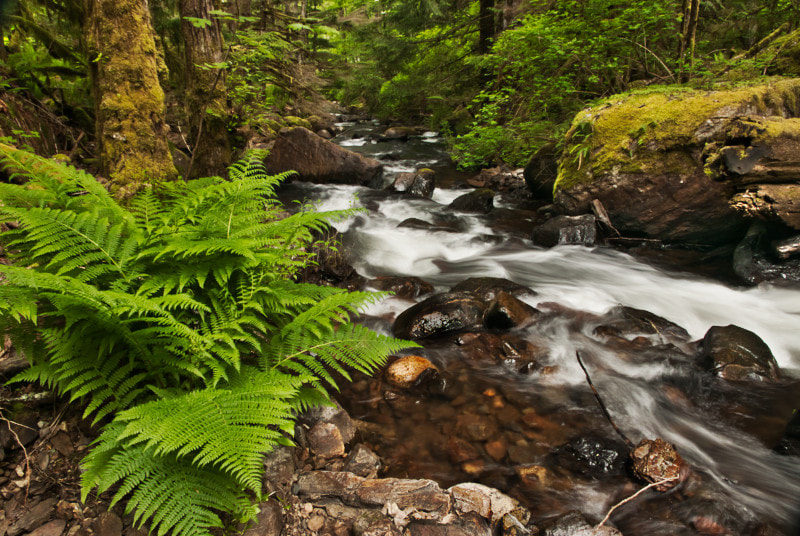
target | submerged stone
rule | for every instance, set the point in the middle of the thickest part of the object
(734, 353)
(655, 460)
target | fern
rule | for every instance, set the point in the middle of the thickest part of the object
(178, 324)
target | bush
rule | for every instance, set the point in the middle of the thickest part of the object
(178, 324)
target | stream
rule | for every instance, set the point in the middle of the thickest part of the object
(537, 431)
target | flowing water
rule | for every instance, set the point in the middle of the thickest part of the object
(489, 421)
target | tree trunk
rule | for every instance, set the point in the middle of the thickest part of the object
(206, 105)
(486, 25)
(691, 16)
(128, 99)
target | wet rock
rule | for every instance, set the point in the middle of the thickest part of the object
(737, 354)
(397, 133)
(487, 502)
(507, 312)
(333, 414)
(403, 287)
(440, 314)
(655, 460)
(480, 201)
(541, 172)
(579, 230)
(574, 524)
(319, 160)
(487, 288)
(362, 461)
(459, 450)
(409, 371)
(497, 449)
(476, 427)
(420, 183)
(501, 179)
(628, 322)
(593, 456)
(786, 248)
(108, 524)
(325, 440)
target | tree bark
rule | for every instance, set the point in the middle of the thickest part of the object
(128, 99)
(486, 25)
(206, 104)
(691, 16)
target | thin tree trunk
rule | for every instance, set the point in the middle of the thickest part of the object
(129, 101)
(691, 15)
(206, 107)
(486, 26)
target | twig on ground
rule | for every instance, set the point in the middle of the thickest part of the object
(632, 497)
(27, 476)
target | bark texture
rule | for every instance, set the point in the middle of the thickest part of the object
(129, 101)
(206, 104)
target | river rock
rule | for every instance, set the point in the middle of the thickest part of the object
(628, 323)
(325, 440)
(507, 312)
(593, 456)
(420, 183)
(787, 248)
(574, 524)
(487, 288)
(397, 133)
(500, 179)
(579, 230)
(320, 161)
(469, 526)
(541, 172)
(734, 353)
(403, 287)
(333, 414)
(409, 370)
(487, 502)
(689, 167)
(655, 460)
(362, 462)
(480, 201)
(440, 314)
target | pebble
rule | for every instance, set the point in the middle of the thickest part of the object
(315, 523)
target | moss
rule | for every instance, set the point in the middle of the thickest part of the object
(649, 131)
(294, 121)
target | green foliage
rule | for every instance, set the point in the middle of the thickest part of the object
(178, 323)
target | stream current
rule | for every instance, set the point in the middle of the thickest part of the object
(723, 430)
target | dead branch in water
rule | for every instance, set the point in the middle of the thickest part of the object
(600, 401)
(632, 497)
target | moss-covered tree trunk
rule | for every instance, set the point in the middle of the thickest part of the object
(206, 104)
(129, 101)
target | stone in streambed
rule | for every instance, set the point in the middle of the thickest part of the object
(507, 312)
(655, 460)
(737, 354)
(592, 456)
(403, 287)
(440, 314)
(561, 230)
(480, 201)
(409, 370)
(420, 183)
(487, 502)
(487, 288)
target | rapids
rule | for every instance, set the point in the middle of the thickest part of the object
(738, 482)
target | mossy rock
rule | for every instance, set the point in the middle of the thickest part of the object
(294, 121)
(664, 162)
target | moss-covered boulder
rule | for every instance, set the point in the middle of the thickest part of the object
(687, 166)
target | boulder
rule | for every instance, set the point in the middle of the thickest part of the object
(688, 166)
(440, 314)
(507, 311)
(580, 230)
(541, 172)
(420, 183)
(487, 288)
(734, 353)
(409, 371)
(403, 287)
(320, 161)
(480, 201)
(397, 133)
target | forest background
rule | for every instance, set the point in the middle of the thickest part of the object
(126, 87)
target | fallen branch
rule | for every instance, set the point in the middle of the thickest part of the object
(27, 474)
(600, 401)
(632, 497)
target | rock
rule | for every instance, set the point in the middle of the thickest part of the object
(63, 444)
(628, 323)
(383, 527)
(334, 414)
(487, 502)
(55, 528)
(403, 287)
(397, 133)
(362, 461)
(36, 516)
(108, 524)
(325, 440)
(480, 201)
(693, 167)
(319, 160)
(460, 451)
(487, 288)
(409, 371)
(315, 523)
(541, 172)
(500, 179)
(418, 184)
(787, 248)
(269, 521)
(507, 312)
(655, 460)
(440, 314)
(279, 468)
(574, 524)
(425, 497)
(578, 230)
(476, 427)
(469, 526)
(593, 456)
(734, 353)
(24, 427)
